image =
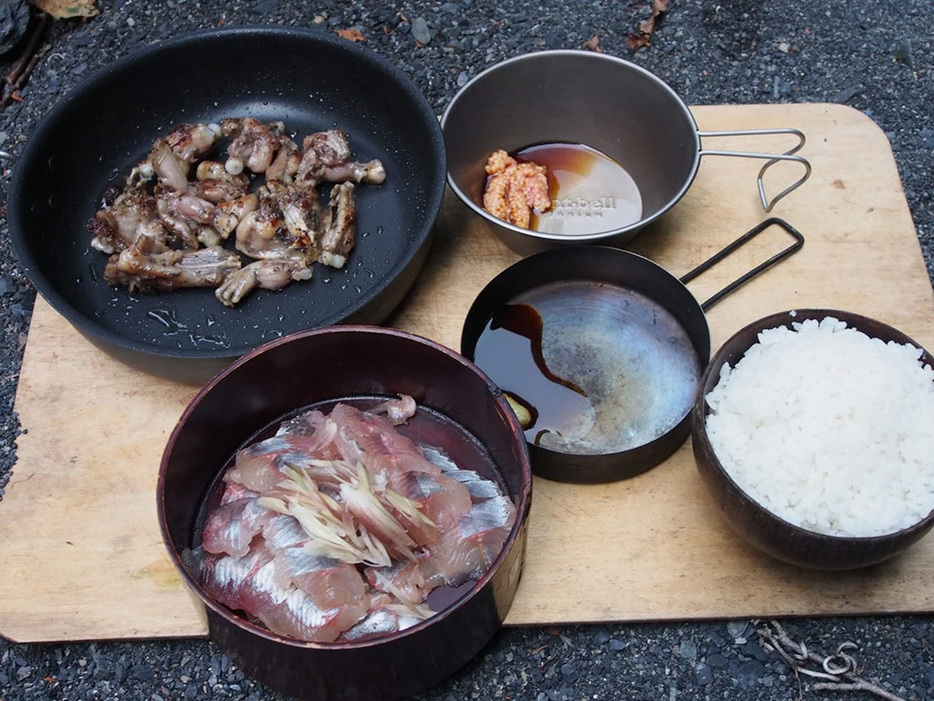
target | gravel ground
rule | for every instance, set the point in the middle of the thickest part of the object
(874, 56)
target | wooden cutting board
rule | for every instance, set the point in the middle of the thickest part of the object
(80, 548)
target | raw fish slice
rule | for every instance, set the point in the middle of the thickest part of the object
(404, 581)
(226, 579)
(256, 466)
(437, 457)
(234, 491)
(260, 466)
(328, 582)
(231, 528)
(290, 611)
(444, 500)
(360, 432)
(398, 411)
(320, 428)
(380, 622)
(283, 531)
(468, 551)
(390, 464)
(303, 424)
(383, 621)
(478, 487)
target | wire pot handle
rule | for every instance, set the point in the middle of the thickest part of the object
(772, 158)
(762, 267)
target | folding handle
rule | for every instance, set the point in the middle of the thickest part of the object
(762, 267)
(772, 159)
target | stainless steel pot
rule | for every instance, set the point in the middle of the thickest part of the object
(597, 100)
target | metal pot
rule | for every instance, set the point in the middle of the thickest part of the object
(625, 338)
(597, 100)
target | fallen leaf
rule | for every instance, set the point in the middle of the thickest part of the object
(351, 34)
(593, 44)
(63, 9)
(647, 27)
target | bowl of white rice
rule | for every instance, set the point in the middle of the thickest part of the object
(813, 431)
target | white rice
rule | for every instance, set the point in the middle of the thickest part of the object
(828, 428)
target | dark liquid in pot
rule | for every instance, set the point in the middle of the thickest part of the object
(590, 192)
(614, 369)
(510, 351)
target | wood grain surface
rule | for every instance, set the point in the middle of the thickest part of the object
(81, 553)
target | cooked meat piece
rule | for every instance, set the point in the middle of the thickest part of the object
(182, 232)
(191, 207)
(284, 225)
(327, 159)
(268, 274)
(139, 267)
(164, 230)
(254, 144)
(169, 168)
(286, 163)
(228, 214)
(190, 142)
(340, 235)
(116, 227)
(514, 190)
(214, 184)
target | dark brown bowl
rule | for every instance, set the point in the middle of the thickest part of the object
(759, 526)
(310, 80)
(468, 417)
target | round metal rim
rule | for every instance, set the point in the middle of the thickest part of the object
(586, 237)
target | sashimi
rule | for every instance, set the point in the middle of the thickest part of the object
(328, 582)
(339, 526)
(233, 526)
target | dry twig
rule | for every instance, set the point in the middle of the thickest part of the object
(837, 672)
(23, 67)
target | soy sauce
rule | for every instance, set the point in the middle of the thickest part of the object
(510, 351)
(590, 192)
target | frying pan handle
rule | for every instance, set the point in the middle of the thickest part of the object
(773, 158)
(762, 267)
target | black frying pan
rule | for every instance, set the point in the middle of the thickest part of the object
(309, 80)
(616, 330)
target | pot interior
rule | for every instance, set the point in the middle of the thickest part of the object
(604, 349)
(575, 97)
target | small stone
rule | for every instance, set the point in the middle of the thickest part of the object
(753, 649)
(717, 661)
(265, 7)
(141, 672)
(904, 54)
(687, 650)
(420, 31)
(737, 629)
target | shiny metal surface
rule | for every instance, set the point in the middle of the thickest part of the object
(606, 103)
